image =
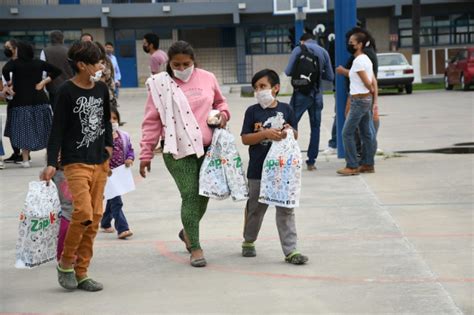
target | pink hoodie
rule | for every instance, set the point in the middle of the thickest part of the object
(203, 94)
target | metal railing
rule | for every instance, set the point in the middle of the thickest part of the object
(68, 2)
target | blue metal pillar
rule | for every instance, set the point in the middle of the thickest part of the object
(241, 56)
(345, 13)
(299, 25)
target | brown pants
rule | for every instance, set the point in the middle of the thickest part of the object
(86, 184)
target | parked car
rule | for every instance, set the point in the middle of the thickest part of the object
(460, 70)
(395, 71)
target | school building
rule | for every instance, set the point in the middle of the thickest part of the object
(233, 38)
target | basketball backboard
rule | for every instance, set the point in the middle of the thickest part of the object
(282, 7)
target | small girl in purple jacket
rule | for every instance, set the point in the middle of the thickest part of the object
(122, 154)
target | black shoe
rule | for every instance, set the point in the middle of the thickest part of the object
(14, 158)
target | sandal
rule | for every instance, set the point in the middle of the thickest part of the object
(90, 285)
(296, 258)
(199, 262)
(125, 234)
(67, 278)
(181, 237)
(108, 230)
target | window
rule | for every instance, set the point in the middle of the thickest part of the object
(462, 55)
(392, 60)
(439, 30)
(39, 39)
(270, 39)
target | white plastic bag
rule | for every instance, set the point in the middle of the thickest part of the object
(233, 168)
(222, 173)
(39, 226)
(281, 175)
(212, 181)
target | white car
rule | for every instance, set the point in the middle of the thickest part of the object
(395, 71)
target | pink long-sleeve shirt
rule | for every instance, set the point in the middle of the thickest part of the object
(203, 94)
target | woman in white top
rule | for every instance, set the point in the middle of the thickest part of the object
(362, 88)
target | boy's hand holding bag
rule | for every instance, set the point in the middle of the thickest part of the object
(281, 175)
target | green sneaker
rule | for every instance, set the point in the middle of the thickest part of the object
(248, 250)
(90, 285)
(296, 258)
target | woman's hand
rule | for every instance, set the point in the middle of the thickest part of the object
(223, 120)
(42, 84)
(144, 167)
(8, 91)
(128, 162)
(342, 71)
(47, 173)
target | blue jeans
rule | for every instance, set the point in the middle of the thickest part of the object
(312, 103)
(360, 115)
(114, 210)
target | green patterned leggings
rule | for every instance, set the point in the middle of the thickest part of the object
(185, 173)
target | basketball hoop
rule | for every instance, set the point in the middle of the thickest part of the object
(287, 7)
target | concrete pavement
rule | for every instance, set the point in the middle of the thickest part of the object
(397, 241)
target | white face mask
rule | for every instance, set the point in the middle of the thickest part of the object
(96, 77)
(184, 75)
(115, 126)
(264, 98)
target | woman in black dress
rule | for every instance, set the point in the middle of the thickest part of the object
(31, 115)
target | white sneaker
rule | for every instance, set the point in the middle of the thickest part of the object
(25, 164)
(2, 165)
(330, 151)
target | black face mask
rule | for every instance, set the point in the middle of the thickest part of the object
(146, 49)
(8, 53)
(351, 49)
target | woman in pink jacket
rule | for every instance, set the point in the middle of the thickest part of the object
(179, 101)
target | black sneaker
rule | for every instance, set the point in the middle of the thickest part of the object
(14, 158)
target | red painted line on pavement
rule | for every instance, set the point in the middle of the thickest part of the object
(105, 243)
(164, 251)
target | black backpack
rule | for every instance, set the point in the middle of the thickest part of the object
(305, 74)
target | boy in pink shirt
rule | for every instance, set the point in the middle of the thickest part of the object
(157, 59)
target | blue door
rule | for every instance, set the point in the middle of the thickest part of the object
(69, 1)
(125, 51)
